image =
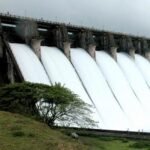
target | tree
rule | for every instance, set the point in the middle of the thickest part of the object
(62, 107)
(55, 105)
(21, 97)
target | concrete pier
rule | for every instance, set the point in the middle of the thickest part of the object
(66, 48)
(1, 47)
(112, 47)
(147, 55)
(10, 69)
(132, 53)
(82, 39)
(123, 44)
(36, 46)
(146, 49)
(86, 41)
(62, 40)
(130, 47)
(1, 51)
(17, 29)
(91, 50)
(138, 46)
(91, 45)
(113, 52)
(27, 30)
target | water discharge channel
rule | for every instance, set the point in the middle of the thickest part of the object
(118, 91)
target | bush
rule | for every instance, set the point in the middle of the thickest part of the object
(18, 133)
(20, 97)
(141, 144)
(55, 105)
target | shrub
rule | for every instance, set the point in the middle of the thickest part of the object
(56, 105)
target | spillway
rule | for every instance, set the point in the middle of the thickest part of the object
(135, 79)
(121, 89)
(29, 65)
(144, 66)
(60, 70)
(118, 93)
(96, 86)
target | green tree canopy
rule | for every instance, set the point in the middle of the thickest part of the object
(56, 105)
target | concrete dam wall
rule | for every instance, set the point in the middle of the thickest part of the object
(109, 71)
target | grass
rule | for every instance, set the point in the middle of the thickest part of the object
(21, 133)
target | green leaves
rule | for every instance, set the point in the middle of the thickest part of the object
(56, 105)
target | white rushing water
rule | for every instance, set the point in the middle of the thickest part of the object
(61, 71)
(121, 89)
(118, 92)
(29, 64)
(98, 90)
(144, 66)
(135, 79)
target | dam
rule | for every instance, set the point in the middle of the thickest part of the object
(110, 71)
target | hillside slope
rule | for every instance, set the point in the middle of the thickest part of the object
(21, 133)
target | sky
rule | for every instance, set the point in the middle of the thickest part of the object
(125, 16)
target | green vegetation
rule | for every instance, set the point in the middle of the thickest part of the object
(22, 133)
(53, 104)
(29, 105)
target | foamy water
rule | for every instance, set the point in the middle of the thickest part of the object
(122, 90)
(60, 70)
(135, 78)
(29, 64)
(144, 66)
(98, 90)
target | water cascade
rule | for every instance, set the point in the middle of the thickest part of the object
(60, 70)
(121, 89)
(30, 66)
(118, 91)
(144, 66)
(99, 91)
(135, 79)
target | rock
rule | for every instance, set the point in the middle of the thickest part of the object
(74, 135)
